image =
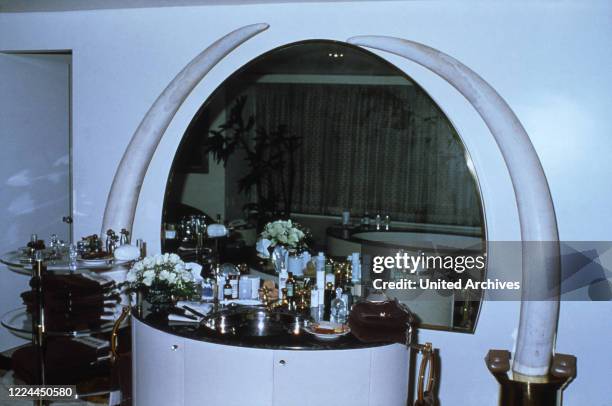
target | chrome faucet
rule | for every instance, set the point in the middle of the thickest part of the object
(387, 222)
(378, 222)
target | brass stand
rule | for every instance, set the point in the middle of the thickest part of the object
(38, 323)
(519, 390)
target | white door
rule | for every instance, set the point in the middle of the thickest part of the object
(34, 159)
(227, 375)
(158, 367)
(315, 378)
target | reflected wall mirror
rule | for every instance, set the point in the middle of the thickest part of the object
(320, 129)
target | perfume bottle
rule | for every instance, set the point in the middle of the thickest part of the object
(125, 237)
(227, 290)
(282, 281)
(320, 270)
(330, 277)
(316, 309)
(208, 291)
(35, 243)
(329, 292)
(284, 302)
(234, 280)
(338, 312)
(290, 285)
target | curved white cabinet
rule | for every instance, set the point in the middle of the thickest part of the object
(172, 370)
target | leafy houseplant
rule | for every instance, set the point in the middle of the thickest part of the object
(161, 279)
(269, 154)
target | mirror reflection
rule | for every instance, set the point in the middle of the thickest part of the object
(344, 145)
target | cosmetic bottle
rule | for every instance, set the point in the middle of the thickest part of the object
(35, 243)
(329, 273)
(227, 290)
(321, 299)
(207, 289)
(348, 292)
(329, 293)
(33, 240)
(314, 298)
(320, 271)
(338, 310)
(346, 218)
(290, 285)
(125, 237)
(282, 281)
(169, 231)
(355, 268)
(234, 283)
(284, 301)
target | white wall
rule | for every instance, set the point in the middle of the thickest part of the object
(550, 61)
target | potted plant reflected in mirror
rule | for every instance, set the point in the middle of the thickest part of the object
(270, 156)
(161, 281)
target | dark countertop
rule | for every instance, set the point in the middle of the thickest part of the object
(288, 341)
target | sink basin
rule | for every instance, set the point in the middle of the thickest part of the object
(254, 322)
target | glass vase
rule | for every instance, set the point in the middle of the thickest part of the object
(159, 299)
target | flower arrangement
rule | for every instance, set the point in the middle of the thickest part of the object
(161, 278)
(283, 233)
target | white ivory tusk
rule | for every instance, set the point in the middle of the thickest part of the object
(541, 267)
(123, 196)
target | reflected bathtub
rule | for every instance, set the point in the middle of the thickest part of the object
(404, 240)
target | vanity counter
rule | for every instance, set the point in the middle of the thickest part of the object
(177, 363)
(298, 340)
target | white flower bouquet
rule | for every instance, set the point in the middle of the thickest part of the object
(161, 278)
(282, 233)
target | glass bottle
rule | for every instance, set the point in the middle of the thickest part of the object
(227, 290)
(33, 240)
(329, 292)
(282, 281)
(35, 243)
(330, 277)
(290, 285)
(125, 237)
(338, 312)
(284, 302)
(320, 270)
(208, 289)
(234, 280)
(366, 220)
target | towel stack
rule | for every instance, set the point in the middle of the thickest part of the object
(74, 302)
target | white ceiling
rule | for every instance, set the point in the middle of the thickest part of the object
(20, 6)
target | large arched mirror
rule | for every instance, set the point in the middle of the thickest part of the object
(345, 144)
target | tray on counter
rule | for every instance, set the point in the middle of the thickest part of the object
(14, 261)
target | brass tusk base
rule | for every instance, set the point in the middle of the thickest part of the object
(520, 390)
